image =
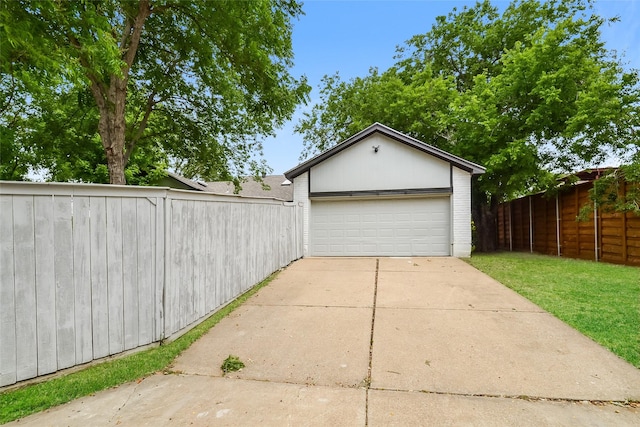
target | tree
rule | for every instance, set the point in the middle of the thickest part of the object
(192, 82)
(524, 93)
(618, 190)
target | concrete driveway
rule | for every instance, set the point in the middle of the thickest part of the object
(388, 341)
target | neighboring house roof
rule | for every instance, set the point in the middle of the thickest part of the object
(279, 187)
(463, 164)
(174, 180)
(590, 174)
(583, 176)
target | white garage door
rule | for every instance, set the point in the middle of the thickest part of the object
(396, 227)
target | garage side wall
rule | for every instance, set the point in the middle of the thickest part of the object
(461, 213)
(301, 196)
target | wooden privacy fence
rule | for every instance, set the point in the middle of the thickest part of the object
(548, 225)
(88, 271)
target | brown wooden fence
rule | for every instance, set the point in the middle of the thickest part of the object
(548, 224)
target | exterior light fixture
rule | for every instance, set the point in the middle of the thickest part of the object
(375, 148)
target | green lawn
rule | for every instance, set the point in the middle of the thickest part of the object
(600, 300)
(27, 400)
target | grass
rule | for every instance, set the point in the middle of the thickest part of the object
(19, 403)
(600, 300)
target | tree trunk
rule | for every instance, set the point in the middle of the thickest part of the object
(111, 128)
(115, 164)
(111, 98)
(484, 214)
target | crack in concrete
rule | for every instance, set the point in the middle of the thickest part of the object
(629, 403)
(620, 403)
(490, 310)
(367, 387)
(367, 384)
(126, 402)
(310, 305)
(270, 381)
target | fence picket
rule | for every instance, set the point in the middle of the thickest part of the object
(82, 278)
(47, 317)
(65, 292)
(99, 268)
(130, 269)
(146, 246)
(115, 283)
(7, 294)
(25, 288)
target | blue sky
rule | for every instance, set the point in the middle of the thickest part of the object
(349, 37)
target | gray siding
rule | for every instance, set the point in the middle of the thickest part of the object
(88, 271)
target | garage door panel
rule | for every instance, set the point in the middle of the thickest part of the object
(403, 217)
(369, 232)
(385, 232)
(440, 232)
(439, 216)
(420, 232)
(336, 219)
(402, 248)
(422, 247)
(380, 227)
(370, 219)
(420, 216)
(322, 219)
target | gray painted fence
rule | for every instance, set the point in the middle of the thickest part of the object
(88, 271)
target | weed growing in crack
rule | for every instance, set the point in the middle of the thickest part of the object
(231, 364)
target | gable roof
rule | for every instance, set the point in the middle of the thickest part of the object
(459, 162)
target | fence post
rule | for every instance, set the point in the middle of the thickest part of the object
(530, 227)
(558, 223)
(576, 200)
(595, 229)
(510, 227)
(625, 253)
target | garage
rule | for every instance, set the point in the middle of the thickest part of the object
(370, 227)
(383, 193)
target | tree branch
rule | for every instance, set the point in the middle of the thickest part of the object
(98, 89)
(131, 48)
(130, 145)
(125, 33)
(9, 100)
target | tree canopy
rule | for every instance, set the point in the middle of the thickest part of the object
(525, 92)
(116, 89)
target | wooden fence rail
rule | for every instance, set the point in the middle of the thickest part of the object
(549, 225)
(88, 271)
